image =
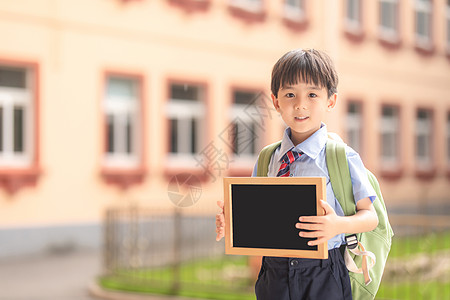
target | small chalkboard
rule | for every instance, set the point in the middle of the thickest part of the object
(261, 213)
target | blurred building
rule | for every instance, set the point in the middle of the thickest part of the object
(104, 102)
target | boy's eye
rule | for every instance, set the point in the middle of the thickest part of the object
(312, 95)
(290, 95)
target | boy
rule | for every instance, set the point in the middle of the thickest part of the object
(304, 89)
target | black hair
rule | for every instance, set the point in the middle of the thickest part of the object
(309, 66)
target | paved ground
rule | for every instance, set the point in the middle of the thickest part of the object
(63, 276)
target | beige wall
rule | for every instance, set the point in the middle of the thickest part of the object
(76, 42)
(406, 78)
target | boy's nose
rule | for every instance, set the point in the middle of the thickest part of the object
(300, 105)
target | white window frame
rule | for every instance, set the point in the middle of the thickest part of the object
(294, 11)
(389, 33)
(426, 8)
(354, 127)
(9, 98)
(424, 130)
(122, 108)
(353, 24)
(390, 125)
(253, 6)
(184, 111)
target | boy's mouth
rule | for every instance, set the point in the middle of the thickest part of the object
(301, 118)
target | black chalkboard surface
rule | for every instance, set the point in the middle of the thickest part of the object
(261, 213)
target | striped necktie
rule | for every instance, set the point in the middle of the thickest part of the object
(287, 160)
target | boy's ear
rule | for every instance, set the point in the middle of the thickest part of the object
(331, 103)
(275, 102)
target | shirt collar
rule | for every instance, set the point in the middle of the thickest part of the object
(312, 146)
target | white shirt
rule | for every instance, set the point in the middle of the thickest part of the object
(312, 163)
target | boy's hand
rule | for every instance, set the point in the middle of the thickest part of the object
(220, 222)
(321, 227)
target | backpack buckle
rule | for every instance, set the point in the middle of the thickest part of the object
(352, 241)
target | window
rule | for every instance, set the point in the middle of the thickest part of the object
(294, 10)
(353, 18)
(423, 17)
(448, 139)
(448, 25)
(390, 136)
(354, 125)
(424, 141)
(122, 122)
(191, 5)
(253, 6)
(16, 117)
(186, 113)
(388, 22)
(247, 135)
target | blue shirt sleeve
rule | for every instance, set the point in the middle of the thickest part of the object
(358, 173)
(255, 168)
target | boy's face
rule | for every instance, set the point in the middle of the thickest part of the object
(303, 107)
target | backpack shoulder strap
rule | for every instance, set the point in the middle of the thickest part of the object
(341, 183)
(264, 159)
(339, 173)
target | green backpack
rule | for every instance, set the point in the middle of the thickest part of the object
(377, 241)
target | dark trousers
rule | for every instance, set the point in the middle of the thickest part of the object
(304, 279)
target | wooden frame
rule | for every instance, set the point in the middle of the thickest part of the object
(261, 213)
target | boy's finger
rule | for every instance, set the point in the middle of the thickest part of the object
(220, 218)
(220, 224)
(219, 236)
(308, 226)
(317, 242)
(310, 219)
(220, 204)
(326, 207)
(310, 234)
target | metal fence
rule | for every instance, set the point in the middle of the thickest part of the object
(175, 252)
(418, 266)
